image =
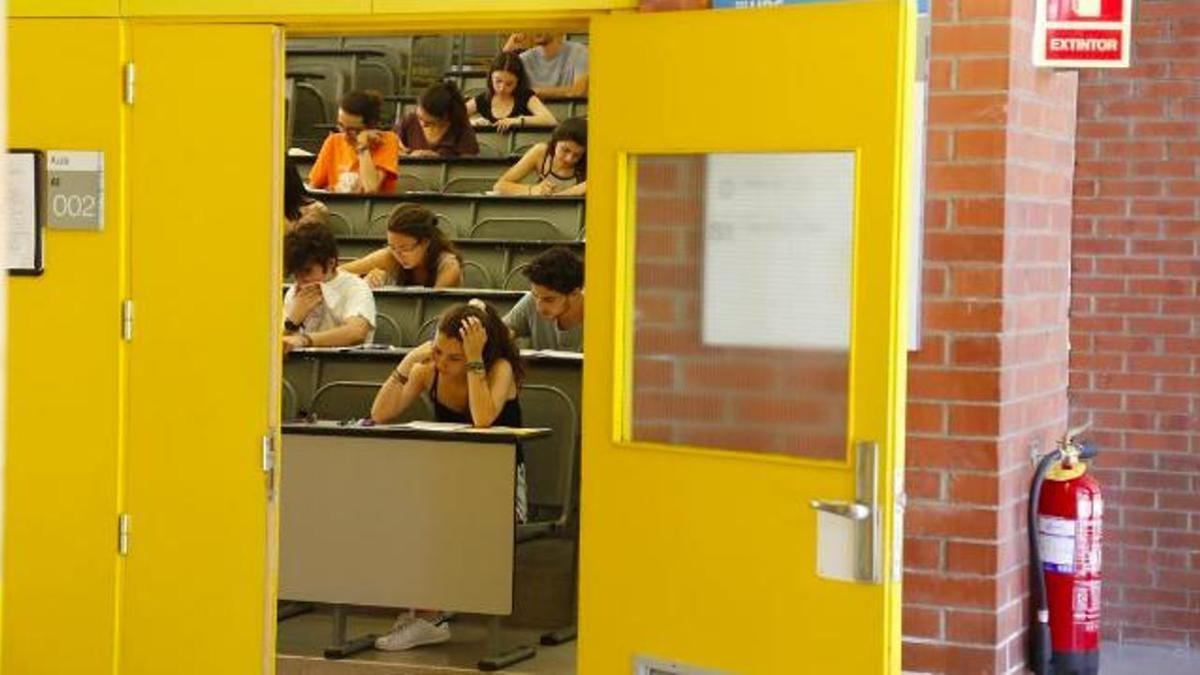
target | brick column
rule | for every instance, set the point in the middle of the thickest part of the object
(1135, 335)
(989, 384)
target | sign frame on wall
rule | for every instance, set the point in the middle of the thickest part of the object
(1082, 33)
(24, 204)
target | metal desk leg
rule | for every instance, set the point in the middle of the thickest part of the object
(567, 633)
(288, 609)
(341, 648)
(497, 659)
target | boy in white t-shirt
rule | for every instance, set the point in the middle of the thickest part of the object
(325, 307)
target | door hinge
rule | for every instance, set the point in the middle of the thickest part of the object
(268, 452)
(268, 462)
(123, 533)
(130, 73)
(127, 320)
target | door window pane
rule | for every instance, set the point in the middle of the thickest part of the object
(742, 301)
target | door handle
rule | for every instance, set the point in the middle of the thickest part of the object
(851, 510)
(864, 512)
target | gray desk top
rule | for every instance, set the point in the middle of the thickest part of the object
(414, 431)
(381, 240)
(441, 197)
(392, 353)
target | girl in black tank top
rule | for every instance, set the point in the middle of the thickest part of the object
(507, 81)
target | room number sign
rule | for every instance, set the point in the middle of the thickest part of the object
(75, 194)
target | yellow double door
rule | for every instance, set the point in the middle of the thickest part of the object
(202, 189)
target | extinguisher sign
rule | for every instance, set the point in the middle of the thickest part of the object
(1056, 539)
(1082, 33)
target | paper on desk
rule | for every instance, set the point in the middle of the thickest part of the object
(557, 353)
(298, 152)
(515, 431)
(435, 426)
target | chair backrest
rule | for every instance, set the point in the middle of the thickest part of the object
(550, 461)
(426, 332)
(378, 224)
(517, 228)
(288, 402)
(387, 331)
(468, 184)
(488, 149)
(407, 182)
(339, 224)
(377, 74)
(352, 399)
(515, 280)
(475, 275)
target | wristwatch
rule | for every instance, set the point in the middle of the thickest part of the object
(291, 326)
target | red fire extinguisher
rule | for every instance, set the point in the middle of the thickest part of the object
(1065, 511)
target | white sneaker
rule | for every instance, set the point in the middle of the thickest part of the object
(409, 632)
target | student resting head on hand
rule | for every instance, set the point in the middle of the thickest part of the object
(325, 307)
(359, 157)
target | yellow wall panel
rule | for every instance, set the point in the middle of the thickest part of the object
(263, 8)
(64, 367)
(73, 8)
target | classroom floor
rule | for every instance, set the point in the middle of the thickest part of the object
(543, 600)
(302, 638)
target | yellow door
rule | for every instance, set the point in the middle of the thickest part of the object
(744, 340)
(203, 179)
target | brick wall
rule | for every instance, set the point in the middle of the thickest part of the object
(989, 384)
(1135, 321)
(785, 401)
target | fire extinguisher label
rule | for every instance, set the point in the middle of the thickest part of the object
(1085, 610)
(1056, 539)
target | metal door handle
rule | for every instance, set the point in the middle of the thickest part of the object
(864, 512)
(851, 510)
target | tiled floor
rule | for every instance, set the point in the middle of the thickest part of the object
(1141, 660)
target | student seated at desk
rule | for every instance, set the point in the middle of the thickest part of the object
(509, 101)
(325, 307)
(297, 203)
(417, 253)
(556, 67)
(560, 164)
(473, 378)
(551, 313)
(440, 126)
(359, 158)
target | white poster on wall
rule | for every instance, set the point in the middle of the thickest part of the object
(778, 248)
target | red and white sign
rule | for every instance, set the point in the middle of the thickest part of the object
(1082, 33)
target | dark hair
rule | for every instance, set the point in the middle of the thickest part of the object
(499, 345)
(366, 103)
(510, 62)
(557, 269)
(443, 101)
(295, 195)
(311, 243)
(570, 129)
(420, 223)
